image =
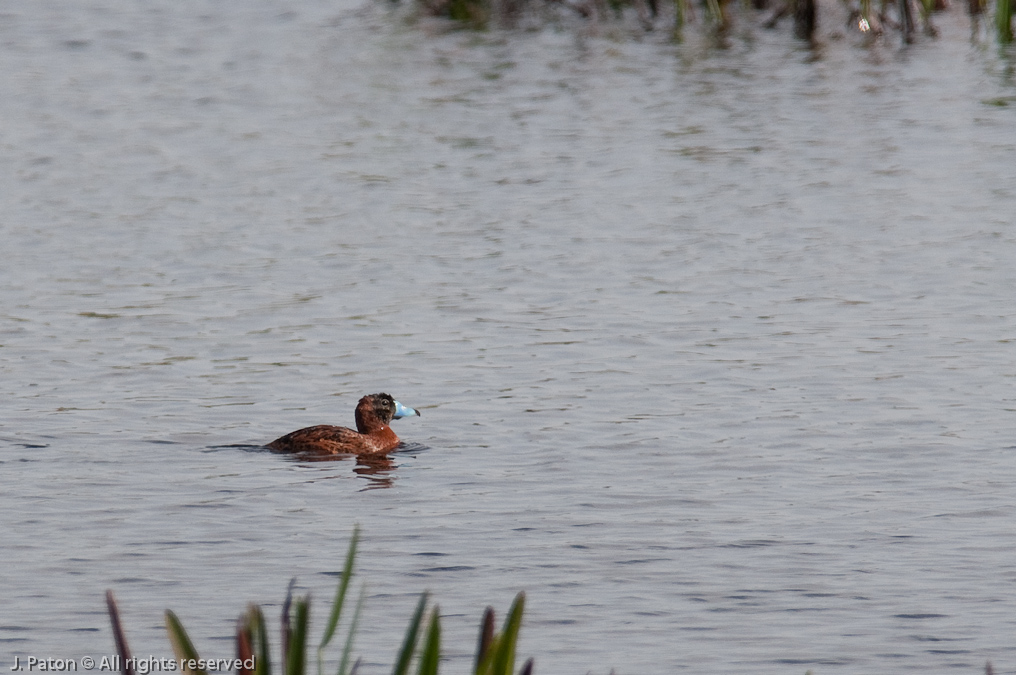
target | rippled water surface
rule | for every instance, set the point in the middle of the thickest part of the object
(715, 349)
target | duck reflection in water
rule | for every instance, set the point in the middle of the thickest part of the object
(375, 468)
(373, 437)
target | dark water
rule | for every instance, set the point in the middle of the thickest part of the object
(715, 349)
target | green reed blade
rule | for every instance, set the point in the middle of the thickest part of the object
(264, 664)
(485, 640)
(409, 642)
(486, 664)
(257, 640)
(340, 593)
(344, 664)
(340, 597)
(504, 658)
(296, 659)
(715, 11)
(182, 646)
(431, 653)
(284, 627)
(680, 16)
(1003, 20)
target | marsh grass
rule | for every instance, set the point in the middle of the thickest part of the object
(1003, 20)
(870, 18)
(495, 651)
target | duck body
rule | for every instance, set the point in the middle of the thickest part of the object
(372, 436)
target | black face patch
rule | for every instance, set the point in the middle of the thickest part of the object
(384, 407)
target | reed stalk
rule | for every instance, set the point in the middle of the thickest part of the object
(409, 641)
(495, 653)
(805, 19)
(183, 648)
(339, 602)
(430, 655)
(252, 641)
(1003, 20)
(118, 635)
(682, 15)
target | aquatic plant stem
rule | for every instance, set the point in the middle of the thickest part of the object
(1003, 20)
(412, 634)
(340, 598)
(348, 648)
(118, 635)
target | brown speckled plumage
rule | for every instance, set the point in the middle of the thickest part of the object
(373, 436)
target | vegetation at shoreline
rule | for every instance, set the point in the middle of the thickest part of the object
(495, 651)
(866, 16)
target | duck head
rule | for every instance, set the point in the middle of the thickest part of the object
(377, 410)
